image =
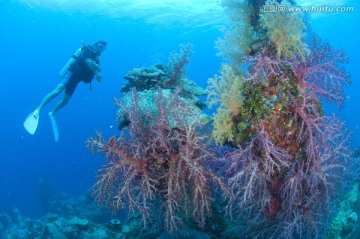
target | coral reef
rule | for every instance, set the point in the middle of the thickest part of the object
(74, 218)
(163, 76)
(285, 155)
(344, 223)
(156, 169)
(170, 79)
(226, 91)
(170, 76)
(277, 163)
(146, 102)
(144, 78)
(159, 166)
(323, 72)
(15, 225)
(283, 160)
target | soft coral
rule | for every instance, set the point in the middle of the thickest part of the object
(155, 166)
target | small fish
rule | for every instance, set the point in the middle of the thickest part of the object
(277, 107)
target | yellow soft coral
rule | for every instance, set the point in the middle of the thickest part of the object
(286, 31)
(225, 90)
(224, 128)
(239, 35)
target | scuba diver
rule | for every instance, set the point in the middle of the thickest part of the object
(84, 66)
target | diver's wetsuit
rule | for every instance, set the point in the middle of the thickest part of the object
(79, 71)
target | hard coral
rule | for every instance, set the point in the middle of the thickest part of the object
(144, 78)
(170, 77)
(160, 75)
(146, 102)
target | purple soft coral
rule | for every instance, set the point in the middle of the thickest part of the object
(323, 73)
(296, 154)
(156, 169)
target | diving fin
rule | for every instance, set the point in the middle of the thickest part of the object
(54, 126)
(31, 122)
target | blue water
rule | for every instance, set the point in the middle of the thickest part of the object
(38, 37)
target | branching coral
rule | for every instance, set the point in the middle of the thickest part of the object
(177, 62)
(253, 165)
(323, 72)
(310, 182)
(157, 169)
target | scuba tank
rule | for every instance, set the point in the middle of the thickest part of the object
(70, 62)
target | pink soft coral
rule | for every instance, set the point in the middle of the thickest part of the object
(323, 72)
(289, 167)
(156, 169)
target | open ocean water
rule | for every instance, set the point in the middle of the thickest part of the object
(37, 37)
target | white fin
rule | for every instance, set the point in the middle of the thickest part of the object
(54, 125)
(31, 122)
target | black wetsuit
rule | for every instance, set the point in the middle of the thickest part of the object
(79, 70)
